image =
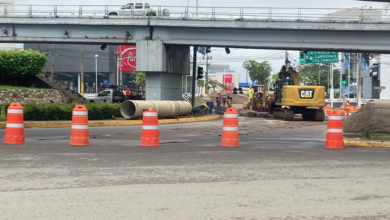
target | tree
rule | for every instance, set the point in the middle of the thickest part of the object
(200, 83)
(139, 78)
(20, 66)
(212, 84)
(308, 74)
(258, 72)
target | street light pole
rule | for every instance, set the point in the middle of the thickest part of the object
(96, 85)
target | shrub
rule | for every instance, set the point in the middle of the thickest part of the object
(54, 111)
(367, 134)
(151, 12)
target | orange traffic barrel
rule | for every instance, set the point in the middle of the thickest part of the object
(79, 134)
(150, 133)
(230, 135)
(328, 110)
(351, 108)
(14, 128)
(342, 110)
(357, 108)
(335, 132)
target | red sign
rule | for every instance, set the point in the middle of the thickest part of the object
(127, 57)
(228, 80)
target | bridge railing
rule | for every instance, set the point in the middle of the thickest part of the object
(202, 12)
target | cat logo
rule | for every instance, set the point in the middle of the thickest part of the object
(306, 94)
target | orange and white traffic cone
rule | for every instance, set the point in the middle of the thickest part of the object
(150, 134)
(328, 110)
(342, 110)
(79, 134)
(230, 135)
(14, 128)
(335, 132)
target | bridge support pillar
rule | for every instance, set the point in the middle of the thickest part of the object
(164, 66)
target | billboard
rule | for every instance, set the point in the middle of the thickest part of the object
(228, 80)
(127, 57)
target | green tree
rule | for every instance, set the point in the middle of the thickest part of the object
(223, 86)
(200, 83)
(258, 72)
(140, 79)
(212, 84)
(20, 66)
(308, 74)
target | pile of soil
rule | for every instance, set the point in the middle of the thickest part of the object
(237, 99)
(374, 115)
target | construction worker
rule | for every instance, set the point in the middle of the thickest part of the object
(347, 104)
(250, 93)
(218, 101)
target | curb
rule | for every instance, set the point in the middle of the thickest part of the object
(67, 124)
(366, 144)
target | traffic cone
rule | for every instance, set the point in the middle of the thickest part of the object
(230, 135)
(79, 134)
(14, 128)
(150, 133)
(335, 133)
(328, 110)
(342, 110)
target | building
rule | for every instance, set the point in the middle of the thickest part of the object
(67, 62)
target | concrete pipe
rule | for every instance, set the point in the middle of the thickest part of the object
(166, 109)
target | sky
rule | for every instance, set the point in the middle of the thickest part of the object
(237, 56)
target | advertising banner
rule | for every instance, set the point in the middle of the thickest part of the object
(127, 57)
(228, 80)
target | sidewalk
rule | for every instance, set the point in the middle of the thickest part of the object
(108, 123)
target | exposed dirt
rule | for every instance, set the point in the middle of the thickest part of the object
(374, 115)
(237, 99)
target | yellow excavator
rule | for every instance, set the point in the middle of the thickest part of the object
(292, 98)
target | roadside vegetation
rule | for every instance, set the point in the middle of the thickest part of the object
(54, 111)
(367, 134)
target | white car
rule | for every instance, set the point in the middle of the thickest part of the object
(136, 9)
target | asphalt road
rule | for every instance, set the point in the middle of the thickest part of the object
(280, 171)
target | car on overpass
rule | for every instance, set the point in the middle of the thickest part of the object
(136, 9)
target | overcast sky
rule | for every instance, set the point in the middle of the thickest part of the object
(237, 56)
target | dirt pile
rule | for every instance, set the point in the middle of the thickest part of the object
(237, 99)
(374, 115)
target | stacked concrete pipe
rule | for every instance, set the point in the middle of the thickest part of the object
(166, 109)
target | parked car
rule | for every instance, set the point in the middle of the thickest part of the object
(110, 95)
(136, 9)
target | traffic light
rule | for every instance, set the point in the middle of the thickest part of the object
(367, 57)
(200, 72)
(208, 49)
(302, 57)
(344, 79)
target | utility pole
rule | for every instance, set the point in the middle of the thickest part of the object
(319, 75)
(331, 86)
(340, 83)
(194, 76)
(342, 86)
(349, 75)
(196, 8)
(359, 85)
(82, 72)
(52, 64)
(207, 74)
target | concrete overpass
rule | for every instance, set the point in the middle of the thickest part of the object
(163, 42)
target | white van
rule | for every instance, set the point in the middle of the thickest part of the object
(136, 9)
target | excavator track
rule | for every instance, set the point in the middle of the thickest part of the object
(313, 115)
(283, 113)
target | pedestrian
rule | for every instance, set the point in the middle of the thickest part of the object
(250, 93)
(224, 100)
(347, 104)
(218, 101)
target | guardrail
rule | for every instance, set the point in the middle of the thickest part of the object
(201, 12)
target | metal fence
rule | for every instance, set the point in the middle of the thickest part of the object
(213, 13)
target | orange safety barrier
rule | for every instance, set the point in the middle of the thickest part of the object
(328, 110)
(230, 135)
(150, 133)
(79, 134)
(335, 132)
(342, 110)
(14, 128)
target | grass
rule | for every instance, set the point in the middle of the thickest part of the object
(381, 138)
(2, 113)
(13, 87)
